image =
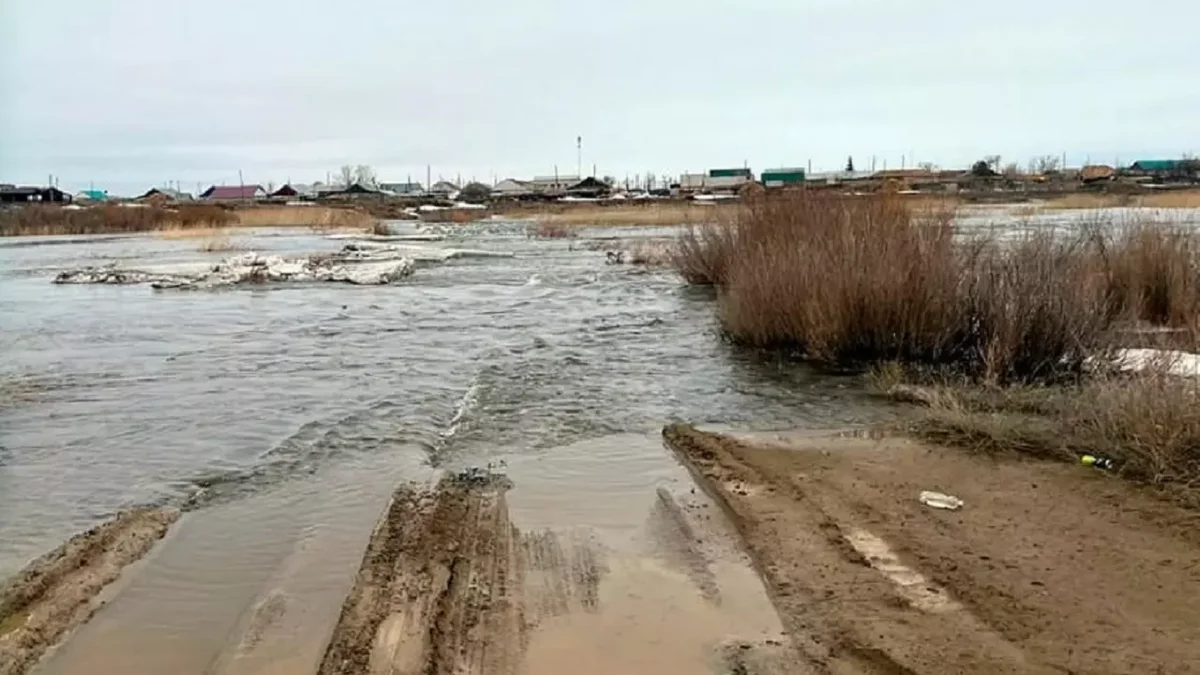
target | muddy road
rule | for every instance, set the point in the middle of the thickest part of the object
(449, 585)
(1047, 569)
(60, 590)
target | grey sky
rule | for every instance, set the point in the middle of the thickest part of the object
(131, 93)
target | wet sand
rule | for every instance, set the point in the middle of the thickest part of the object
(1048, 568)
(59, 591)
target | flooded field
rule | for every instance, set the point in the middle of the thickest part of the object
(281, 419)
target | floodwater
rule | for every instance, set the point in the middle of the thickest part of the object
(282, 418)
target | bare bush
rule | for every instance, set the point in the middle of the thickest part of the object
(863, 279)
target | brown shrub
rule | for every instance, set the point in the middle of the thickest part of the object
(44, 219)
(1151, 272)
(860, 279)
(1148, 422)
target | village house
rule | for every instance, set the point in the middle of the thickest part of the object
(234, 192)
(716, 181)
(1096, 173)
(512, 188)
(590, 188)
(407, 189)
(552, 185)
(165, 194)
(91, 196)
(444, 189)
(295, 191)
(783, 176)
(12, 194)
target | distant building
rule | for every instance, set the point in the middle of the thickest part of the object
(354, 190)
(590, 187)
(1096, 173)
(91, 196)
(553, 184)
(403, 189)
(743, 172)
(234, 192)
(1157, 166)
(443, 188)
(12, 194)
(166, 195)
(706, 183)
(781, 177)
(511, 187)
(295, 191)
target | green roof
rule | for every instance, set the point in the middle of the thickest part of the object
(1157, 164)
(98, 195)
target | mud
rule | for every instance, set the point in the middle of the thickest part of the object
(1048, 568)
(449, 585)
(58, 592)
(434, 594)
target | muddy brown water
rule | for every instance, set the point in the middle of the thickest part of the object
(281, 419)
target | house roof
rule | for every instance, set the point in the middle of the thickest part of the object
(1157, 164)
(402, 188)
(696, 181)
(590, 183)
(233, 192)
(169, 193)
(443, 186)
(1096, 172)
(554, 180)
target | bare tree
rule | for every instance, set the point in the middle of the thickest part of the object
(346, 175)
(993, 162)
(364, 175)
(1046, 164)
(1011, 170)
(927, 166)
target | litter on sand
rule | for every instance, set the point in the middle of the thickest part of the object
(938, 500)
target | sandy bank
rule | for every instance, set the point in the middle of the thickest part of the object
(1048, 568)
(57, 592)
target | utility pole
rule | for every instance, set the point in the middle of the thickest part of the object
(241, 186)
(428, 177)
(578, 156)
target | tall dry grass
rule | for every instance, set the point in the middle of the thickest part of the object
(864, 279)
(648, 213)
(1163, 199)
(1151, 273)
(321, 217)
(1148, 422)
(108, 219)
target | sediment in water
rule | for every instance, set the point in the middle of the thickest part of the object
(55, 593)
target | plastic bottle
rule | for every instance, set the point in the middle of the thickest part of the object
(1098, 462)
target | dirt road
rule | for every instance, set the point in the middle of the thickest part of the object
(1047, 569)
(449, 585)
(58, 591)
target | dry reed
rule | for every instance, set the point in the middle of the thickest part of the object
(624, 213)
(1148, 422)
(864, 279)
(108, 219)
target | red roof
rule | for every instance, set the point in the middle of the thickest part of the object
(232, 192)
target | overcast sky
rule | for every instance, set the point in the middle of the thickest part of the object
(130, 93)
